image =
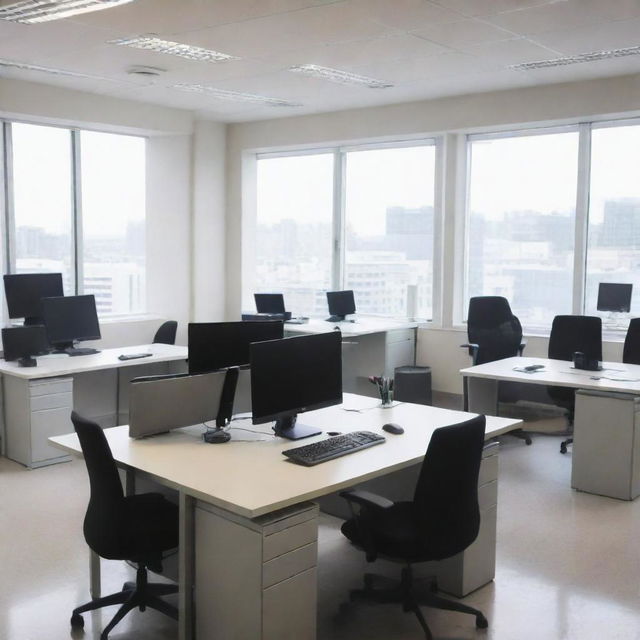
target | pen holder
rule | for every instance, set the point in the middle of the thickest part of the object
(385, 389)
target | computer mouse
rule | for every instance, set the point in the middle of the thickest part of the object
(392, 427)
(217, 436)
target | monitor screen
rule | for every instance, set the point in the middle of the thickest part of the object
(217, 345)
(614, 296)
(294, 375)
(269, 302)
(341, 303)
(69, 319)
(22, 342)
(24, 292)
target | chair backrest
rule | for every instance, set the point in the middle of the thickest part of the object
(631, 351)
(575, 333)
(166, 333)
(492, 326)
(446, 496)
(103, 520)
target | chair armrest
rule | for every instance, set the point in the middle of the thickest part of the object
(523, 344)
(473, 350)
(366, 499)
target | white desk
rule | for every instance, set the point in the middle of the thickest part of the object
(606, 447)
(371, 347)
(248, 533)
(37, 401)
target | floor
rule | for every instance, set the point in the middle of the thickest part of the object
(568, 564)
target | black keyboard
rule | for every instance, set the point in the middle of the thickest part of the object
(334, 447)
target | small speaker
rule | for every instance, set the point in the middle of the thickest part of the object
(412, 384)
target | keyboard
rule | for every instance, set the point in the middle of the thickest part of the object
(81, 351)
(317, 452)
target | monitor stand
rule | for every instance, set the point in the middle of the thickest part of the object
(70, 349)
(28, 361)
(33, 321)
(290, 429)
(335, 319)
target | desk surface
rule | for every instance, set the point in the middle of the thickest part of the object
(63, 365)
(253, 478)
(362, 326)
(615, 376)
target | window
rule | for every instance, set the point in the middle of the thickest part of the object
(113, 221)
(294, 230)
(43, 201)
(358, 219)
(613, 251)
(521, 211)
(76, 204)
(389, 229)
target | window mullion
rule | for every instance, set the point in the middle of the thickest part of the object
(582, 219)
(77, 250)
(9, 222)
(338, 244)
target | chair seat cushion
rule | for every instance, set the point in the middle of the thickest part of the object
(394, 532)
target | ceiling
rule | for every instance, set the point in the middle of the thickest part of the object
(426, 49)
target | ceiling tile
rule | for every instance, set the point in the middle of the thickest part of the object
(506, 52)
(463, 33)
(491, 7)
(405, 14)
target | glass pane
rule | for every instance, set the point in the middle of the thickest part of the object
(294, 231)
(43, 201)
(113, 221)
(613, 252)
(389, 229)
(520, 233)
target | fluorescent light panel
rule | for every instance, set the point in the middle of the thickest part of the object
(341, 77)
(11, 64)
(153, 43)
(235, 96)
(582, 57)
(32, 11)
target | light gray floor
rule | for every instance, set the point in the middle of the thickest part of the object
(568, 563)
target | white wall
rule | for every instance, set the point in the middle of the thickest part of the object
(567, 102)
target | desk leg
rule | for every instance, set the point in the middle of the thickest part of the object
(95, 587)
(186, 568)
(481, 395)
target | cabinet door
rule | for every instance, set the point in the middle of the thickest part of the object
(45, 424)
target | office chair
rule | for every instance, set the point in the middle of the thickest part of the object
(631, 350)
(568, 335)
(137, 528)
(442, 520)
(166, 333)
(494, 333)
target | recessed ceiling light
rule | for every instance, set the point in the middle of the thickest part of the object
(341, 77)
(11, 64)
(144, 71)
(582, 57)
(235, 96)
(153, 43)
(31, 11)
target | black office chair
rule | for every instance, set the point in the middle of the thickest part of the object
(568, 335)
(166, 333)
(137, 528)
(442, 520)
(494, 333)
(631, 351)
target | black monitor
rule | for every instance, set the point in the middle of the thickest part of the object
(294, 375)
(341, 304)
(71, 319)
(24, 292)
(613, 296)
(218, 345)
(269, 302)
(22, 343)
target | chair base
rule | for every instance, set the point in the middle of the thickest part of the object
(405, 594)
(138, 594)
(564, 444)
(522, 435)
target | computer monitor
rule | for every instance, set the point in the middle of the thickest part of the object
(613, 296)
(69, 320)
(22, 343)
(294, 375)
(269, 302)
(218, 345)
(24, 292)
(341, 304)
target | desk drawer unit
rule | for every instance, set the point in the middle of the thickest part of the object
(34, 411)
(256, 578)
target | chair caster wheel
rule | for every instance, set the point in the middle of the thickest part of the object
(481, 622)
(128, 586)
(77, 621)
(528, 441)
(563, 448)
